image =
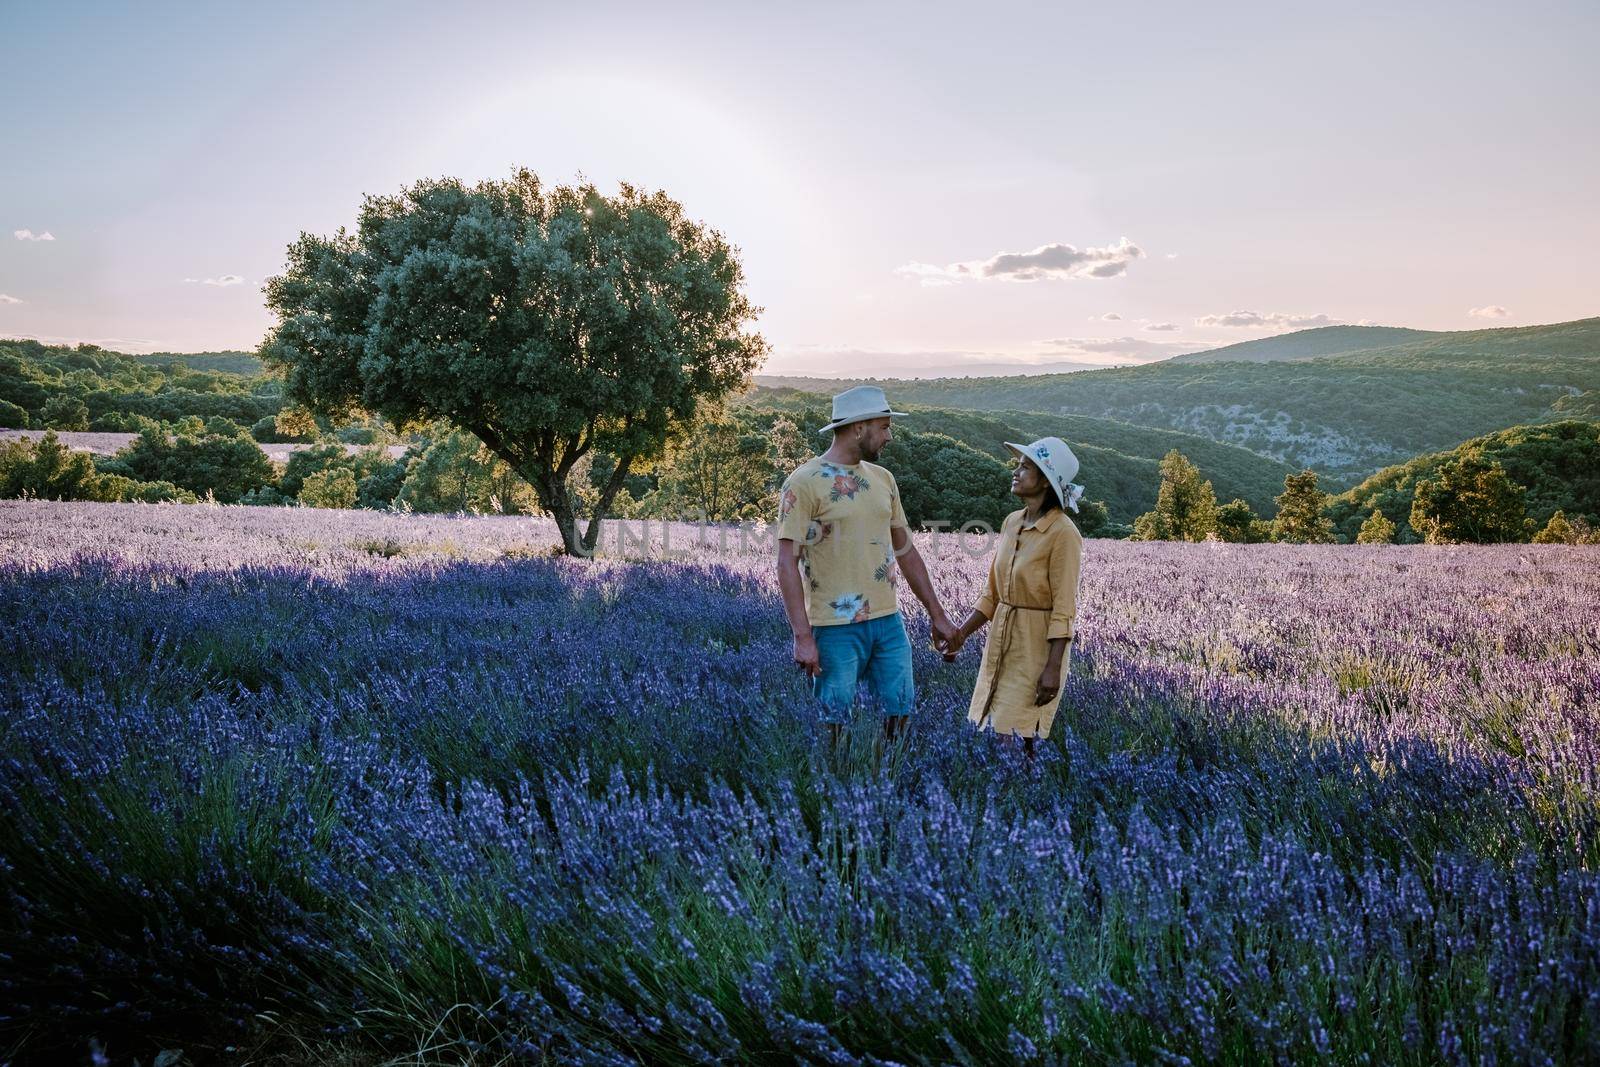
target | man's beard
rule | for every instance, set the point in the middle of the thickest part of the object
(870, 454)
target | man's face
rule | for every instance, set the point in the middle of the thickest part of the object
(872, 435)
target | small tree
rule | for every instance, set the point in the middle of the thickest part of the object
(1470, 499)
(13, 416)
(331, 488)
(1301, 511)
(790, 448)
(1377, 530)
(550, 323)
(718, 469)
(1238, 522)
(457, 473)
(1186, 504)
(65, 413)
(1561, 530)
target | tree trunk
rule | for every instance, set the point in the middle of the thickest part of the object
(556, 498)
(608, 493)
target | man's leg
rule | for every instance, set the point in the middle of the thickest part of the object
(889, 673)
(840, 652)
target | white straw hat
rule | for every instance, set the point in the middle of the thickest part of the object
(1052, 456)
(855, 405)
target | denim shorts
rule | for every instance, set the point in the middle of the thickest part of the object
(877, 650)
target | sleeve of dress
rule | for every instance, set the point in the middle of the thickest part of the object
(1066, 558)
(990, 600)
(796, 506)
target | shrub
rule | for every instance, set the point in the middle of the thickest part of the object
(46, 470)
(332, 488)
(1561, 530)
(216, 457)
(114, 488)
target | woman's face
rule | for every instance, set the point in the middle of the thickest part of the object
(1027, 479)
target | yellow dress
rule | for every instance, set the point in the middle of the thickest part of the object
(1032, 596)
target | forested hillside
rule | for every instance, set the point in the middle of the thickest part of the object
(111, 387)
(1119, 460)
(1345, 416)
(1557, 464)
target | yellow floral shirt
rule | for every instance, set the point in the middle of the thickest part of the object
(839, 516)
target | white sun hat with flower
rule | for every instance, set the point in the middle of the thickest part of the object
(1052, 456)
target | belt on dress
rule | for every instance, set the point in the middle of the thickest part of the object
(1024, 607)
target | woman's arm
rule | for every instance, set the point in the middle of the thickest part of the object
(1049, 683)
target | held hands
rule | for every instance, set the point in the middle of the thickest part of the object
(947, 637)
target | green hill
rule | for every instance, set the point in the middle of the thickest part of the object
(111, 384)
(1345, 416)
(244, 364)
(1558, 463)
(1307, 344)
(1118, 460)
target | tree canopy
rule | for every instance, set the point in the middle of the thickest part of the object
(549, 322)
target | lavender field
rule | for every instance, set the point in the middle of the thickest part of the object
(383, 788)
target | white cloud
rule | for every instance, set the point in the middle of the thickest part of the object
(29, 235)
(1111, 316)
(5, 299)
(1172, 255)
(1164, 327)
(1493, 311)
(926, 273)
(1257, 320)
(1051, 262)
(225, 280)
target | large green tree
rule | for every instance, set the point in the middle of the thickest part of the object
(551, 323)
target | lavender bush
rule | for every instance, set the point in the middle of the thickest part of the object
(410, 782)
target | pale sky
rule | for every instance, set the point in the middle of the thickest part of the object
(913, 186)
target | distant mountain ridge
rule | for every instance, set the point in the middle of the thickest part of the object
(1344, 415)
(1316, 343)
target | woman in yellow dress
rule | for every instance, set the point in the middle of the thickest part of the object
(1031, 598)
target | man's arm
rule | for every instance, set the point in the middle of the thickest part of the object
(792, 585)
(917, 579)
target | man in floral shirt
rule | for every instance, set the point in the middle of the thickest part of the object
(843, 543)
